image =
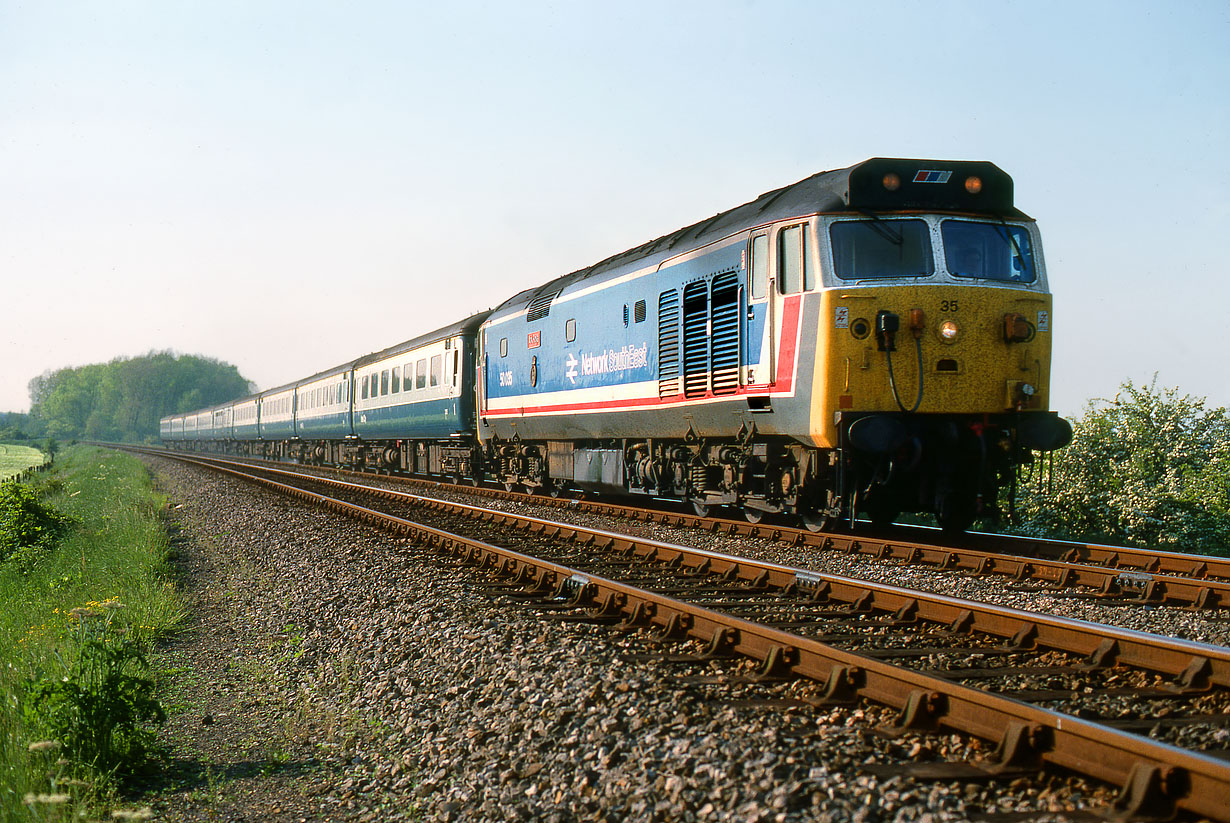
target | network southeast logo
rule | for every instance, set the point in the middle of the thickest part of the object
(608, 362)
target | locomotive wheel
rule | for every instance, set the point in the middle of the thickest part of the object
(701, 509)
(752, 515)
(817, 522)
(882, 514)
(955, 515)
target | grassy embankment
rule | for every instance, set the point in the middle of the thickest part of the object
(114, 552)
(16, 459)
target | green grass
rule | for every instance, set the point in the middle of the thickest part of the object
(16, 459)
(116, 551)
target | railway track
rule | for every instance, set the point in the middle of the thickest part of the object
(940, 663)
(1114, 574)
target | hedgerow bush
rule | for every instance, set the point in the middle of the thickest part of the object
(1150, 467)
(26, 524)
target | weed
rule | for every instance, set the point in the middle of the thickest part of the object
(98, 708)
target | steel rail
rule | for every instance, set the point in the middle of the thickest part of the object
(1134, 575)
(1153, 777)
(1194, 665)
(1178, 564)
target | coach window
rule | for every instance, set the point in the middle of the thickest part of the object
(437, 365)
(793, 273)
(363, 393)
(760, 266)
(420, 374)
(570, 330)
(395, 379)
(384, 382)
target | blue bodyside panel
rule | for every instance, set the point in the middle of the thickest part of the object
(335, 426)
(610, 348)
(411, 421)
(281, 430)
(247, 431)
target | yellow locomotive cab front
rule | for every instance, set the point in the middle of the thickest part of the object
(966, 350)
(933, 355)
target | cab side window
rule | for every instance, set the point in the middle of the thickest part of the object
(793, 273)
(760, 266)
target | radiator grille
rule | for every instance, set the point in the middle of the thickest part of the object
(695, 339)
(668, 343)
(724, 337)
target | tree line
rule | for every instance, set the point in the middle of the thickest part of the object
(123, 400)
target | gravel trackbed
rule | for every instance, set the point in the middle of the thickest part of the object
(333, 672)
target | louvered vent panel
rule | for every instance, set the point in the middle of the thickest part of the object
(540, 307)
(668, 344)
(695, 339)
(724, 340)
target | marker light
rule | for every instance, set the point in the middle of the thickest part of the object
(891, 181)
(973, 185)
(1017, 329)
(948, 331)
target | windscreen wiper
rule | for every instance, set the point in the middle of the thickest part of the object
(881, 227)
(1007, 234)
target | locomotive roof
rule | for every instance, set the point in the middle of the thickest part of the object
(933, 185)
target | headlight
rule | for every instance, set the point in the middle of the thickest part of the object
(949, 331)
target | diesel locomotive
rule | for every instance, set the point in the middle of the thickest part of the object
(868, 341)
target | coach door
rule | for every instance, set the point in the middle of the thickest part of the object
(759, 343)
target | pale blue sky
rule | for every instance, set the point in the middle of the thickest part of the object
(285, 185)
